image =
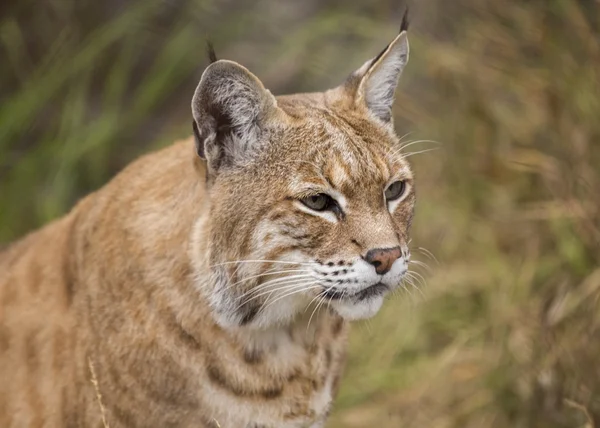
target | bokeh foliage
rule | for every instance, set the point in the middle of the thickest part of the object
(505, 330)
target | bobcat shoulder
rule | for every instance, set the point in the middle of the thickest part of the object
(210, 284)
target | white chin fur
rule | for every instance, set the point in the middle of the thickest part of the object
(358, 310)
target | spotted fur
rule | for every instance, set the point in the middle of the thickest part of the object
(197, 289)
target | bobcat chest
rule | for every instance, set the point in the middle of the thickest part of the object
(287, 383)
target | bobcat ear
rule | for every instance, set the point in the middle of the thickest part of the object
(230, 109)
(374, 84)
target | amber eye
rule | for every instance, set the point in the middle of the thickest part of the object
(395, 190)
(318, 202)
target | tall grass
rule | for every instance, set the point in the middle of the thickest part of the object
(505, 330)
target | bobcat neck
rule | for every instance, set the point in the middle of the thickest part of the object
(159, 320)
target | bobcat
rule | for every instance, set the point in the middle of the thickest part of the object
(210, 284)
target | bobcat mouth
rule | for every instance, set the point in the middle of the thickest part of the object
(371, 291)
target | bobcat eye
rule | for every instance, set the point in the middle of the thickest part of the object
(394, 190)
(319, 202)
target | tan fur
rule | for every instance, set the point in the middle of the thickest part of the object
(136, 308)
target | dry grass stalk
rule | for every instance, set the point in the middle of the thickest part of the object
(98, 395)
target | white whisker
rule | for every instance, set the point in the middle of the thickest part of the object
(267, 274)
(421, 264)
(428, 254)
(411, 280)
(265, 261)
(315, 298)
(405, 135)
(303, 288)
(411, 283)
(285, 286)
(412, 143)
(398, 150)
(394, 146)
(276, 281)
(418, 275)
(407, 155)
(323, 294)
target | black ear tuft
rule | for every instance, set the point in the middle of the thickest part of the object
(379, 55)
(210, 49)
(405, 21)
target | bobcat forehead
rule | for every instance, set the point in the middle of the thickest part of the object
(201, 281)
(347, 161)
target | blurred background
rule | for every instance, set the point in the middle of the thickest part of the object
(503, 328)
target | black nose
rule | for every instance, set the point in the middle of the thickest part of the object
(383, 258)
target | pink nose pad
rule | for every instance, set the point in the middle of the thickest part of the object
(383, 258)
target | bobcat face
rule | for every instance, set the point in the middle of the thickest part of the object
(311, 199)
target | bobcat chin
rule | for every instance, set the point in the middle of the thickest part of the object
(209, 284)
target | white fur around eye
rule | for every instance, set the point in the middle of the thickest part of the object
(327, 215)
(392, 205)
(339, 198)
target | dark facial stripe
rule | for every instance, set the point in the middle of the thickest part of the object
(122, 415)
(299, 412)
(184, 336)
(253, 356)
(221, 380)
(327, 358)
(249, 312)
(338, 323)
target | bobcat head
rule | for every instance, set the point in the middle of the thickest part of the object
(310, 200)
